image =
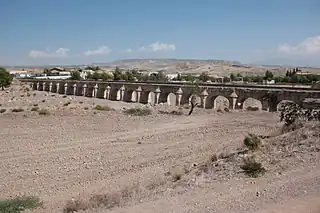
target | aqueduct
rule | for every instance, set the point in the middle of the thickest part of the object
(210, 95)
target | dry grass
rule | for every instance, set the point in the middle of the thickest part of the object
(17, 110)
(34, 109)
(252, 168)
(252, 141)
(44, 112)
(138, 111)
(107, 201)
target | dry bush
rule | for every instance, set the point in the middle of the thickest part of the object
(252, 141)
(252, 108)
(138, 111)
(34, 94)
(43, 100)
(67, 103)
(219, 110)
(35, 105)
(85, 108)
(21, 96)
(43, 112)
(80, 102)
(17, 110)
(3, 110)
(64, 96)
(252, 168)
(34, 109)
(28, 94)
(108, 201)
(173, 112)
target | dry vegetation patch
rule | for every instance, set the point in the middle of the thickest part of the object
(138, 111)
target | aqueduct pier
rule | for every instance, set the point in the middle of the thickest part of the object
(232, 95)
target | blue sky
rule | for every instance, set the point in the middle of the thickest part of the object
(37, 32)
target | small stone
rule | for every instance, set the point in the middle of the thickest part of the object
(258, 194)
(139, 142)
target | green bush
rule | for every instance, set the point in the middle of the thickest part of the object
(19, 204)
(103, 108)
(138, 111)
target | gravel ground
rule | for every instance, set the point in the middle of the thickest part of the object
(75, 152)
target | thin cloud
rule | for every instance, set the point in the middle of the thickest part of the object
(159, 47)
(129, 50)
(309, 46)
(102, 50)
(59, 53)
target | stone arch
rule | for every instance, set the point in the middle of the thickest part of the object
(128, 95)
(171, 99)
(221, 102)
(151, 98)
(252, 103)
(281, 103)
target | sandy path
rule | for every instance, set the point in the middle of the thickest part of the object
(57, 158)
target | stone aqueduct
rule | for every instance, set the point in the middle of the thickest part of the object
(209, 95)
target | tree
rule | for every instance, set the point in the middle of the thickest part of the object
(268, 76)
(130, 76)
(5, 78)
(96, 76)
(75, 75)
(117, 75)
(232, 77)
(105, 76)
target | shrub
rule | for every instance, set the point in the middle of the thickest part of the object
(28, 94)
(138, 111)
(252, 168)
(43, 112)
(43, 101)
(2, 110)
(251, 108)
(219, 110)
(35, 105)
(34, 109)
(17, 110)
(99, 107)
(21, 96)
(34, 94)
(103, 108)
(19, 204)
(85, 108)
(173, 112)
(64, 96)
(67, 104)
(252, 141)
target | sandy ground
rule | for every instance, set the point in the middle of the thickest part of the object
(76, 152)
